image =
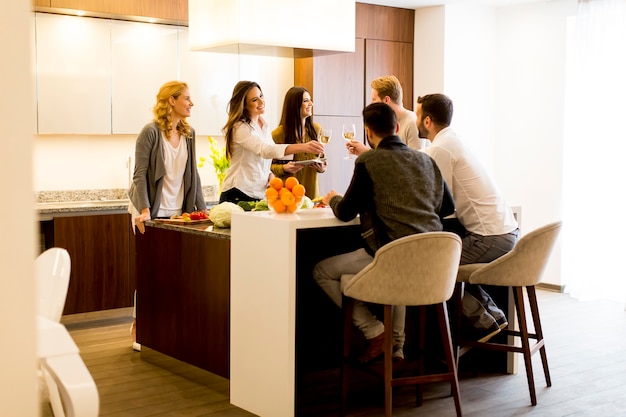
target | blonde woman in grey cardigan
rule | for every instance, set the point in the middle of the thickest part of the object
(165, 179)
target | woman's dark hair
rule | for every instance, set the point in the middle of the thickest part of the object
(291, 119)
(438, 107)
(380, 119)
(237, 111)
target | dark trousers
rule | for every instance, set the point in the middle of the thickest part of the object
(479, 309)
(235, 195)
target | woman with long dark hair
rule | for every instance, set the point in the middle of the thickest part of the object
(297, 126)
(249, 145)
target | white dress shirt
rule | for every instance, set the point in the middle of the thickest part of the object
(480, 207)
(252, 152)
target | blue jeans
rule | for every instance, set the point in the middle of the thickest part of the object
(327, 274)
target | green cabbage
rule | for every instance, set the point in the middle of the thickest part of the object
(221, 214)
(307, 203)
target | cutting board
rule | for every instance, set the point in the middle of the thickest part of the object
(181, 222)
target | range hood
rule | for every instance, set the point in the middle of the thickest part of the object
(252, 26)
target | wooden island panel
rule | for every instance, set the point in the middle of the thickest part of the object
(183, 291)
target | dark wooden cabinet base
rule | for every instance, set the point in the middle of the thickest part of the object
(183, 296)
(99, 249)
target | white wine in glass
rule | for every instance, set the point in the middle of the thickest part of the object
(323, 137)
(349, 131)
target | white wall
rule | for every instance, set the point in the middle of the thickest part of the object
(504, 68)
(530, 112)
(429, 45)
(17, 245)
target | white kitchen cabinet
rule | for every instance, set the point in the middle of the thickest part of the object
(101, 76)
(144, 57)
(73, 74)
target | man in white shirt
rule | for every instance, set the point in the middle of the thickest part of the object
(388, 90)
(483, 219)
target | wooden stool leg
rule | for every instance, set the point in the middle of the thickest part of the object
(421, 346)
(388, 321)
(457, 311)
(518, 293)
(534, 308)
(444, 326)
(348, 306)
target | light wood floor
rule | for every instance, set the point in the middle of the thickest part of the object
(585, 342)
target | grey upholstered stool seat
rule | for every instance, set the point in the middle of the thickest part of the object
(521, 268)
(416, 270)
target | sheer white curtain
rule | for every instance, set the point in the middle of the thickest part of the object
(594, 232)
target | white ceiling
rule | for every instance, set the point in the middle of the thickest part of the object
(413, 4)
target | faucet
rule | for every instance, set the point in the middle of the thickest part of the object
(130, 172)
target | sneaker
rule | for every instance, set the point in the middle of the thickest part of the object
(373, 349)
(398, 353)
(481, 335)
(502, 323)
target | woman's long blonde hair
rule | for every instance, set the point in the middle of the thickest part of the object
(162, 110)
(237, 111)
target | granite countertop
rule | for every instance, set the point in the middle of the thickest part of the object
(83, 202)
(49, 204)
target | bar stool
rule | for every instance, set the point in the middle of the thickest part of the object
(416, 270)
(521, 268)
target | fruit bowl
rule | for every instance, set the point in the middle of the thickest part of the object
(285, 197)
(278, 206)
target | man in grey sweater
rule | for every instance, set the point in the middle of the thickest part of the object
(397, 191)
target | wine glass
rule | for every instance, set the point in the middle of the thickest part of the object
(349, 131)
(323, 137)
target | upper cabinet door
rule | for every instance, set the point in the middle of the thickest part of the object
(73, 75)
(144, 57)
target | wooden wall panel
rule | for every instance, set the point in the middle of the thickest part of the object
(338, 82)
(382, 22)
(384, 58)
(41, 3)
(174, 10)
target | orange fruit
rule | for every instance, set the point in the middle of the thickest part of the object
(298, 190)
(291, 182)
(299, 198)
(287, 198)
(282, 191)
(292, 208)
(278, 206)
(271, 194)
(276, 183)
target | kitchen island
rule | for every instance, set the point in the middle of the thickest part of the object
(229, 300)
(242, 303)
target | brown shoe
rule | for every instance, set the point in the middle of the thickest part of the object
(374, 348)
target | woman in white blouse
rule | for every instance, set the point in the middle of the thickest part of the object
(250, 147)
